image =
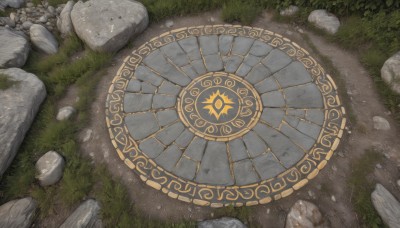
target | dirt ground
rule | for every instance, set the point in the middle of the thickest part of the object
(364, 101)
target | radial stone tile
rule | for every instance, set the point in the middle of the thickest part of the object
(223, 115)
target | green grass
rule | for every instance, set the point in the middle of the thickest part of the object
(362, 186)
(241, 11)
(5, 82)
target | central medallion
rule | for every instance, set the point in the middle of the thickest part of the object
(219, 106)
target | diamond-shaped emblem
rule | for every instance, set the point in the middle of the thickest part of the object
(218, 104)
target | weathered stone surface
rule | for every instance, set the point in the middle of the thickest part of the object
(381, 123)
(297, 137)
(255, 146)
(390, 72)
(169, 157)
(209, 45)
(145, 74)
(267, 166)
(64, 23)
(196, 148)
(151, 147)
(213, 63)
(260, 49)
(162, 101)
(11, 3)
(141, 125)
(170, 133)
(306, 215)
(86, 215)
(225, 44)
(186, 168)
(184, 139)
(169, 89)
(107, 25)
(18, 107)
(272, 116)
(237, 150)
(14, 49)
(289, 11)
(49, 168)
(65, 113)
(232, 63)
(136, 102)
(191, 47)
(303, 96)
(273, 99)
(387, 206)
(276, 60)
(166, 117)
(244, 172)
(224, 222)
(43, 39)
(18, 213)
(324, 20)
(292, 75)
(174, 52)
(258, 73)
(242, 45)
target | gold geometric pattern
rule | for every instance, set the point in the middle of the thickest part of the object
(218, 104)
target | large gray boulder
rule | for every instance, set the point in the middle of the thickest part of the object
(11, 3)
(324, 20)
(18, 213)
(86, 215)
(43, 39)
(107, 25)
(224, 222)
(305, 215)
(390, 72)
(387, 206)
(49, 168)
(64, 23)
(14, 49)
(18, 107)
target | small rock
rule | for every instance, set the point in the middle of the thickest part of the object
(65, 113)
(341, 154)
(27, 25)
(222, 222)
(51, 10)
(50, 168)
(324, 20)
(268, 211)
(43, 39)
(304, 214)
(212, 19)
(7, 21)
(11, 3)
(311, 194)
(13, 16)
(64, 23)
(387, 206)
(189, 209)
(212, 214)
(289, 32)
(30, 5)
(169, 23)
(43, 19)
(18, 213)
(290, 11)
(87, 135)
(333, 198)
(378, 166)
(390, 72)
(334, 168)
(158, 207)
(86, 215)
(381, 123)
(300, 31)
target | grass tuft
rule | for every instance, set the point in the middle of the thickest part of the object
(5, 82)
(241, 11)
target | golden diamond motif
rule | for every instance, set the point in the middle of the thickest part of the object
(218, 104)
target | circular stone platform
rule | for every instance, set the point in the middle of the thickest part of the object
(220, 115)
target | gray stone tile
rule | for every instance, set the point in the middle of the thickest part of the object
(184, 139)
(297, 137)
(198, 65)
(267, 85)
(292, 75)
(304, 96)
(166, 117)
(276, 60)
(292, 121)
(196, 148)
(309, 129)
(316, 116)
(257, 74)
(255, 146)
(141, 125)
(225, 44)
(213, 63)
(186, 168)
(158, 62)
(252, 60)
(191, 47)
(148, 88)
(169, 157)
(268, 166)
(208, 44)
(273, 99)
(243, 70)
(136, 102)
(237, 149)
(273, 116)
(244, 173)
(169, 88)
(170, 133)
(232, 63)
(162, 101)
(296, 112)
(145, 74)
(151, 147)
(260, 48)
(285, 150)
(175, 53)
(214, 167)
(133, 86)
(241, 45)
(190, 71)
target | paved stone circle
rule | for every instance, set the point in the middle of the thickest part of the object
(224, 115)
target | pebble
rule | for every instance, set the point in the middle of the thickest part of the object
(158, 207)
(333, 198)
(381, 123)
(27, 25)
(268, 211)
(88, 135)
(334, 168)
(29, 5)
(301, 31)
(378, 166)
(43, 19)
(51, 10)
(169, 23)
(212, 19)
(341, 154)
(311, 194)
(212, 214)
(189, 209)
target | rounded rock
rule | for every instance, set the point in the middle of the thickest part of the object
(290, 11)
(381, 123)
(390, 72)
(65, 113)
(324, 20)
(304, 214)
(18, 213)
(50, 168)
(43, 39)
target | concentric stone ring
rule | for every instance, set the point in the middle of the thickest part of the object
(224, 115)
